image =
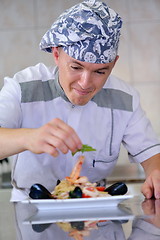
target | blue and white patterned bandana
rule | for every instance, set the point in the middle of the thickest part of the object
(88, 31)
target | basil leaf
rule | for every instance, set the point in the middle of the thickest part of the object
(85, 148)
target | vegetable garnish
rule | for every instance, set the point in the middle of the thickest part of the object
(85, 148)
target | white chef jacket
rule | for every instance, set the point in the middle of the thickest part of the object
(33, 97)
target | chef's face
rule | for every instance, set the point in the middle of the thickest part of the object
(80, 80)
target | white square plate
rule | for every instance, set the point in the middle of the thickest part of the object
(75, 203)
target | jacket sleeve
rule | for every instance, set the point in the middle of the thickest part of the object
(139, 139)
(10, 104)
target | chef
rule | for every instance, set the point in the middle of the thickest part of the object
(46, 113)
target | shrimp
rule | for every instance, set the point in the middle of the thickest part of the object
(75, 174)
(81, 180)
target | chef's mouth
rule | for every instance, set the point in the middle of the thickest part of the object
(82, 92)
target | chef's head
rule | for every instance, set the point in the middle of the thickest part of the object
(84, 43)
(88, 32)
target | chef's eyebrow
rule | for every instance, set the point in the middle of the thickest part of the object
(104, 68)
(99, 69)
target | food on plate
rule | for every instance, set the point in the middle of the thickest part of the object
(76, 183)
(38, 191)
(76, 186)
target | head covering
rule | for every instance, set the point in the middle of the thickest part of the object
(88, 31)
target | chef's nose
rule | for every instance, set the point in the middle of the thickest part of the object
(85, 80)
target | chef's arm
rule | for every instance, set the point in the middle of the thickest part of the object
(151, 186)
(51, 138)
(12, 141)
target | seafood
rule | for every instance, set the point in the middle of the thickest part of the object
(38, 191)
(75, 174)
(76, 186)
(67, 185)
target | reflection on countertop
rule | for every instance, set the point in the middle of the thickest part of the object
(137, 222)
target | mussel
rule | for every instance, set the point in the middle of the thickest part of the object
(38, 191)
(118, 188)
(76, 193)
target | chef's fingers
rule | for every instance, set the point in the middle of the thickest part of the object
(65, 134)
(151, 187)
(147, 190)
(155, 179)
(51, 138)
(156, 184)
(57, 143)
(50, 150)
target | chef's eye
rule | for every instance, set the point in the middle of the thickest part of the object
(100, 72)
(75, 67)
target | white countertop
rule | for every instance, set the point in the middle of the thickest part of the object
(128, 173)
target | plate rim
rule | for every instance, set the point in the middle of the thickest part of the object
(41, 201)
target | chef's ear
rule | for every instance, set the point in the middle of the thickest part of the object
(56, 52)
(115, 60)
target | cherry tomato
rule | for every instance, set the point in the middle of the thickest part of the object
(85, 196)
(100, 188)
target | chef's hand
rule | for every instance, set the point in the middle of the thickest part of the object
(53, 137)
(151, 186)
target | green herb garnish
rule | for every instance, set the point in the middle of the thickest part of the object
(85, 148)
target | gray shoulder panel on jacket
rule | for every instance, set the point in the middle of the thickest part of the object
(35, 91)
(38, 90)
(114, 99)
